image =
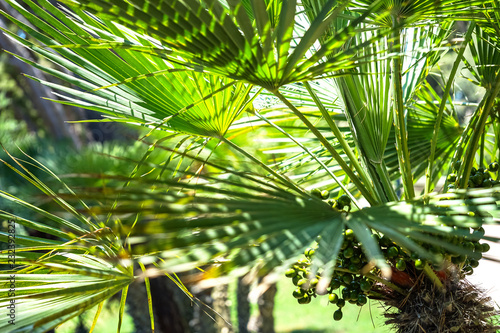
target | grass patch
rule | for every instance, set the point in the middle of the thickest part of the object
(317, 317)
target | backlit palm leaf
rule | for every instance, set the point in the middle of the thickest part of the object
(179, 99)
(223, 40)
(411, 12)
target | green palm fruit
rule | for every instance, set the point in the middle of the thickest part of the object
(400, 265)
(419, 264)
(304, 300)
(365, 285)
(344, 200)
(298, 293)
(290, 273)
(337, 315)
(485, 247)
(333, 298)
(341, 303)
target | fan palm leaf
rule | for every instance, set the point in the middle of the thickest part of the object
(180, 100)
(262, 51)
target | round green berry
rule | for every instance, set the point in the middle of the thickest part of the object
(298, 293)
(458, 260)
(335, 284)
(485, 247)
(355, 260)
(333, 298)
(341, 303)
(304, 300)
(325, 194)
(353, 294)
(401, 265)
(316, 192)
(353, 267)
(337, 315)
(303, 283)
(493, 167)
(347, 278)
(344, 200)
(473, 263)
(365, 285)
(392, 252)
(362, 299)
(290, 273)
(419, 264)
(477, 178)
(469, 246)
(349, 234)
(348, 253)
(452, 177)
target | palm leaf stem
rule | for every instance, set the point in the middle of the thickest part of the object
(399, 116)
(365, 189)
(484, 114)
(336, 131)
(375, 278)
(433, 277)
(464, 138)
(382, 180)
(122, 308)
(98, 312)
(150, 301)
(444, 98)
(481, 150)
(314, 156)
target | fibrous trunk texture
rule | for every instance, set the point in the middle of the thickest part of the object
(461, 308)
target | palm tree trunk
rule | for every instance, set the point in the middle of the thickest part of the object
(222, 308)
(53, 114)
(243, 306)
(172, 309)
(265, 322)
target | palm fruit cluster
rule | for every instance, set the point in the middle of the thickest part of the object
(343, 202)
(350, 285)
(346, 286)
(479, 178)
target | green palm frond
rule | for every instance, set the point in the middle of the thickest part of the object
(226, 41)
(420, 125)
(485, 59)
(412, 12)
(239, 229)
(491, 19)
(56, 280)
(485, 54)
(140, 88)
(55, 288)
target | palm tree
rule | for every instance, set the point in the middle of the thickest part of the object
(286, 125)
